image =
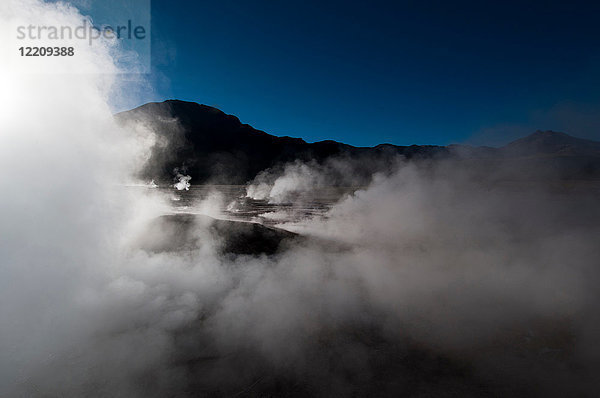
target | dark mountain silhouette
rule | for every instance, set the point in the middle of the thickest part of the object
(212, 146)
(552, 143)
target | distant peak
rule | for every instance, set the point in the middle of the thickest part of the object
(551, 142)
(191, 105)
(548, 133)
(544, 136)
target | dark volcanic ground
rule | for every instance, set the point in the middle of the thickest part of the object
(236, 206)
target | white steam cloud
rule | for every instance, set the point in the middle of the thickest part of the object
(183, 183)
(296, 178)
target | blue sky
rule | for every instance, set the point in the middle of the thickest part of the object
(402, 72)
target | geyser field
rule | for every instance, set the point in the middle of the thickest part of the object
(433, 273)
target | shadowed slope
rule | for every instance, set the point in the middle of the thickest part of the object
(215, 147)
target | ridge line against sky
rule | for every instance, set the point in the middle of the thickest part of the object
(398, 72)
(527, 135)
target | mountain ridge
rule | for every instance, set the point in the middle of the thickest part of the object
(214, 146)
